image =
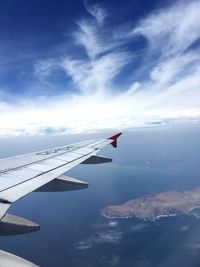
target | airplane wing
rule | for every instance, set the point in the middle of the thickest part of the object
(41, 171)
(24, 174)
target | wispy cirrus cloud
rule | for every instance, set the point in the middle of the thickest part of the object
(96, 11)
(108, 87)
(96, 76)
(171, 30)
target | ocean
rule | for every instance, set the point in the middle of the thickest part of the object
(74, 232)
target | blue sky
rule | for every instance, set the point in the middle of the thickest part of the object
(84, 66)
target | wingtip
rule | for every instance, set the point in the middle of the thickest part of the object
(114, 138)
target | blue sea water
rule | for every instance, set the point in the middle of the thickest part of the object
(73, 231)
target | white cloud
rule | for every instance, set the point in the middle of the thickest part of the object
(184, 228)
(96, 11)
(168, 69)
(87, 37)
(137, 227)
(44, 68)
(109, 236)
(113, 224)
(95, 76)
(194, 248)
(172, 29)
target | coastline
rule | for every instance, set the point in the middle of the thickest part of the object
(132, 216)
(111, 218)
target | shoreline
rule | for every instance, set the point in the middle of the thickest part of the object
(143, 219)
(108, 217)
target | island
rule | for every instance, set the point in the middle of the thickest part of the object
(151, 207)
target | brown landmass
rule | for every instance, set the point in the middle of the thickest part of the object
(151, 207)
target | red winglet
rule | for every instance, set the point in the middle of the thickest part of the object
(114, 138)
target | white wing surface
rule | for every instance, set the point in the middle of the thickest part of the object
(23, 174)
